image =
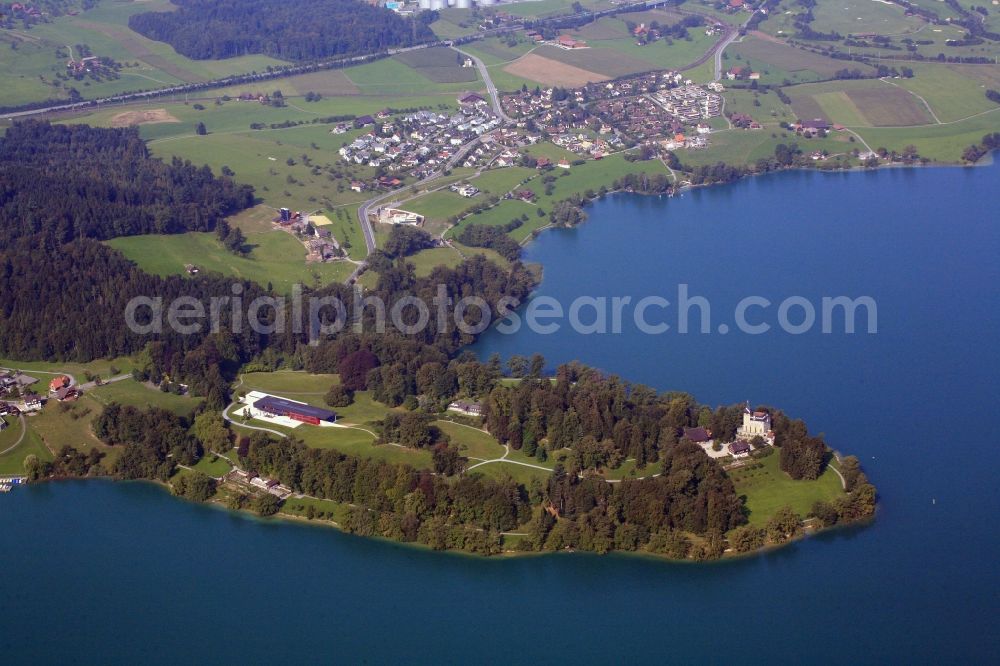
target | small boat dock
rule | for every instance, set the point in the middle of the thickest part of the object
(7, 483)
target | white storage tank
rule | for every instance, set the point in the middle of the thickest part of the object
(486, 3)
(425, 4)
(463, 4)
(437, 5)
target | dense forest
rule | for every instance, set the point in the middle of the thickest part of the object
(302, 30)
(76, 181)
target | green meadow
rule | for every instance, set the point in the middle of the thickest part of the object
(767, 489)
(277, 258)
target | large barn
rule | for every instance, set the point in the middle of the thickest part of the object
(271, 405)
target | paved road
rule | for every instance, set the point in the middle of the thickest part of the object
(225, 415)
(72, 379)
(24, 431)
(490, 87)
(112, 380)
(365, 209)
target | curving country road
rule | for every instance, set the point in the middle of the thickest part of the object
(490, 86)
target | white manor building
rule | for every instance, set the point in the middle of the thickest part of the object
(755, 424)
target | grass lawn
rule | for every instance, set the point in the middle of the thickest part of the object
(471, 442)
(296, 385)
(519, 473)
(355, 442)
(136, 394)
(767, 489)
(212, 465)
(12, 462)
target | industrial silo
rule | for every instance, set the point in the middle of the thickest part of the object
(463, 4)
(438, 5)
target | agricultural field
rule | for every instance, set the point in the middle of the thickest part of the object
(34, 68)
(747, 146)
(954, 92)
(453, 22)
(547, 8)
(439, 64)
(535, 68)
(871, 103)
(944, 142)
(864, 16)
(393, 76)
(612, 53)
(277, 258)
(497, 51)
(761, 105)
(777, 61)
(767, 489)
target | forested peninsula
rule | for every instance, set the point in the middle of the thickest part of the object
(593, 422)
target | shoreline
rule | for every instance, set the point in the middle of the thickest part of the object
(216, 503)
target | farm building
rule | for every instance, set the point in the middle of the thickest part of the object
(273, 406)
(60, 382)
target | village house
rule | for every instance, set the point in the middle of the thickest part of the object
(58, 383)
(739, 449)
(466, 407)
(67, 394)
(698, 435)
(567, 42)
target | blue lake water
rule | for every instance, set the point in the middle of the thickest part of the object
(96, 571)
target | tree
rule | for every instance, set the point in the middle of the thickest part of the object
(747, 538)
(266, 504)
(447, 460)
(196, 486)
(354, 369)
(211, 431)
(339, 396)
(783, 525)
